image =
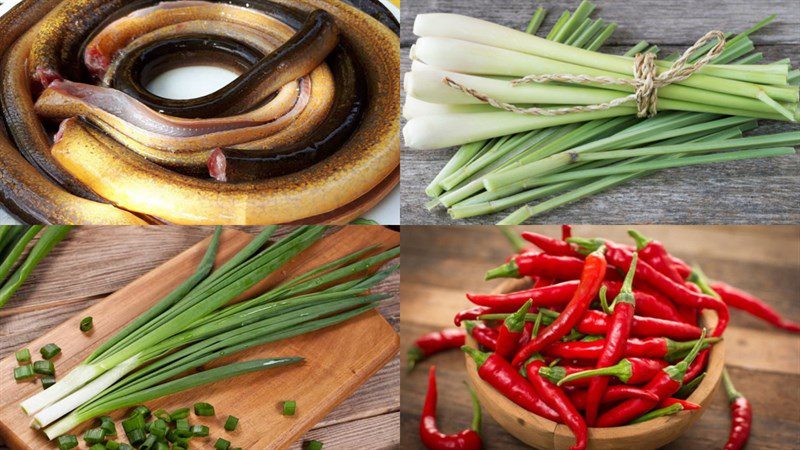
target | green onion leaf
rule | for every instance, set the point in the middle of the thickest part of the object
(107, 424)
(97, 446)
(67, 442)
(163, 415)
(204, 409)
(314, 445)
(231, 423)
(143, 411)
(180, 414)
(44, 368)
(182, 429)
(50, 351)
(149, 443)
(112, 445)
(23, 372)
(158, 428)
(222, 444)
(23, 356)
(289, 407)
(86, 324)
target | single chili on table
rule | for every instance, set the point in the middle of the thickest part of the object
(741, 415)
(740, 299)
(664, 385)
(436, 440)
(434, 342)
(505, 379)
(591, 279)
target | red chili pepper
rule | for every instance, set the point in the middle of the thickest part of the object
(697, 366)
(502, 376)
(555, 295)
(435, 439)
(741, 415)
(511, 332)
(642, 348)
(749, 303)
(483, 335)
(687, 406)
(434, 342)
(596, 323)
(677, 292)
(648, 303)
(471, 314)
(541, 282)
(559, 401)
(566, 232)
(525, 337)
(556, 373)
(613, 394)
(538, 264)
(591, 278)
(549, 245)
(664, 384)
(653, 252)
(627, 370)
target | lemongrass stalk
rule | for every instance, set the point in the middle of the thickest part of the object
(601, 38)
(794, 76)
(578, 31)
(413, 108)
(478, 59)
(465, 153)
(536, 20)
(589, 33)
(740, 48)
(558, 25)
(640, 47)
(752, 58)
(181, 384)
(789, 138)
(712, 77)
(578, 16)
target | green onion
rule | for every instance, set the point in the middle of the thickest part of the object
(86, 324)
(149, 443)
(67, 442)
(163, 415)
(181, 413)
(161, 446)
(182, 429)
(97, 447)
(112, 445)
(289, 407)
(51, 236)
(143, 411)
(231, 423)
(94, 436)
(314, 445)
(199, 430)
(134, 422)
(124, 446)
(158, 428)
(44, 368)
(23, 356)
(47, 381)
(49, 351)
(203, 409)
(222, 444)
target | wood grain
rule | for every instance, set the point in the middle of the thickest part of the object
(376, 400)
(742, 192)
(444, 262)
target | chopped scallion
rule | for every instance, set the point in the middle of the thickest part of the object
(23, 356)
(180, 414)
(23, 372)
(124, 446)
(94, 436)
(47, 381)
(144, 411)
(199, 430)
(50, 351)
(314, 445)
(182, 429)
(149, 443)
(158, 428)
(107, 424)
(204, 409)
(44, 368)
(163, 415)
(86, 324)
(67, 442)
(112, 445)
(222, 444)
(289, 407)
(231, 423)
(97, 446)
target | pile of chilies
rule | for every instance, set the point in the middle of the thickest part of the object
(158, 352)
(241, 154)
(565, 351)
(514, 160)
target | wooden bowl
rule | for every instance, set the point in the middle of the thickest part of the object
(546, 434)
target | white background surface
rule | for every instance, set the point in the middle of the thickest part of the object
(191, 82)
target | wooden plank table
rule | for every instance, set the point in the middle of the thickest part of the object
(443, 263)
(103, 259)
(754, 191)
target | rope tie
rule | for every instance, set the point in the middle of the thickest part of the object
(645, 82)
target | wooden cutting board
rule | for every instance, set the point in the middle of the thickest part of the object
(337, 361)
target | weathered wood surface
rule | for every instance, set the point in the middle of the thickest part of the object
(96, 261)
(443, 263)
(755, 191)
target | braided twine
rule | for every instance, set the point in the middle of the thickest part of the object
(645, 82)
